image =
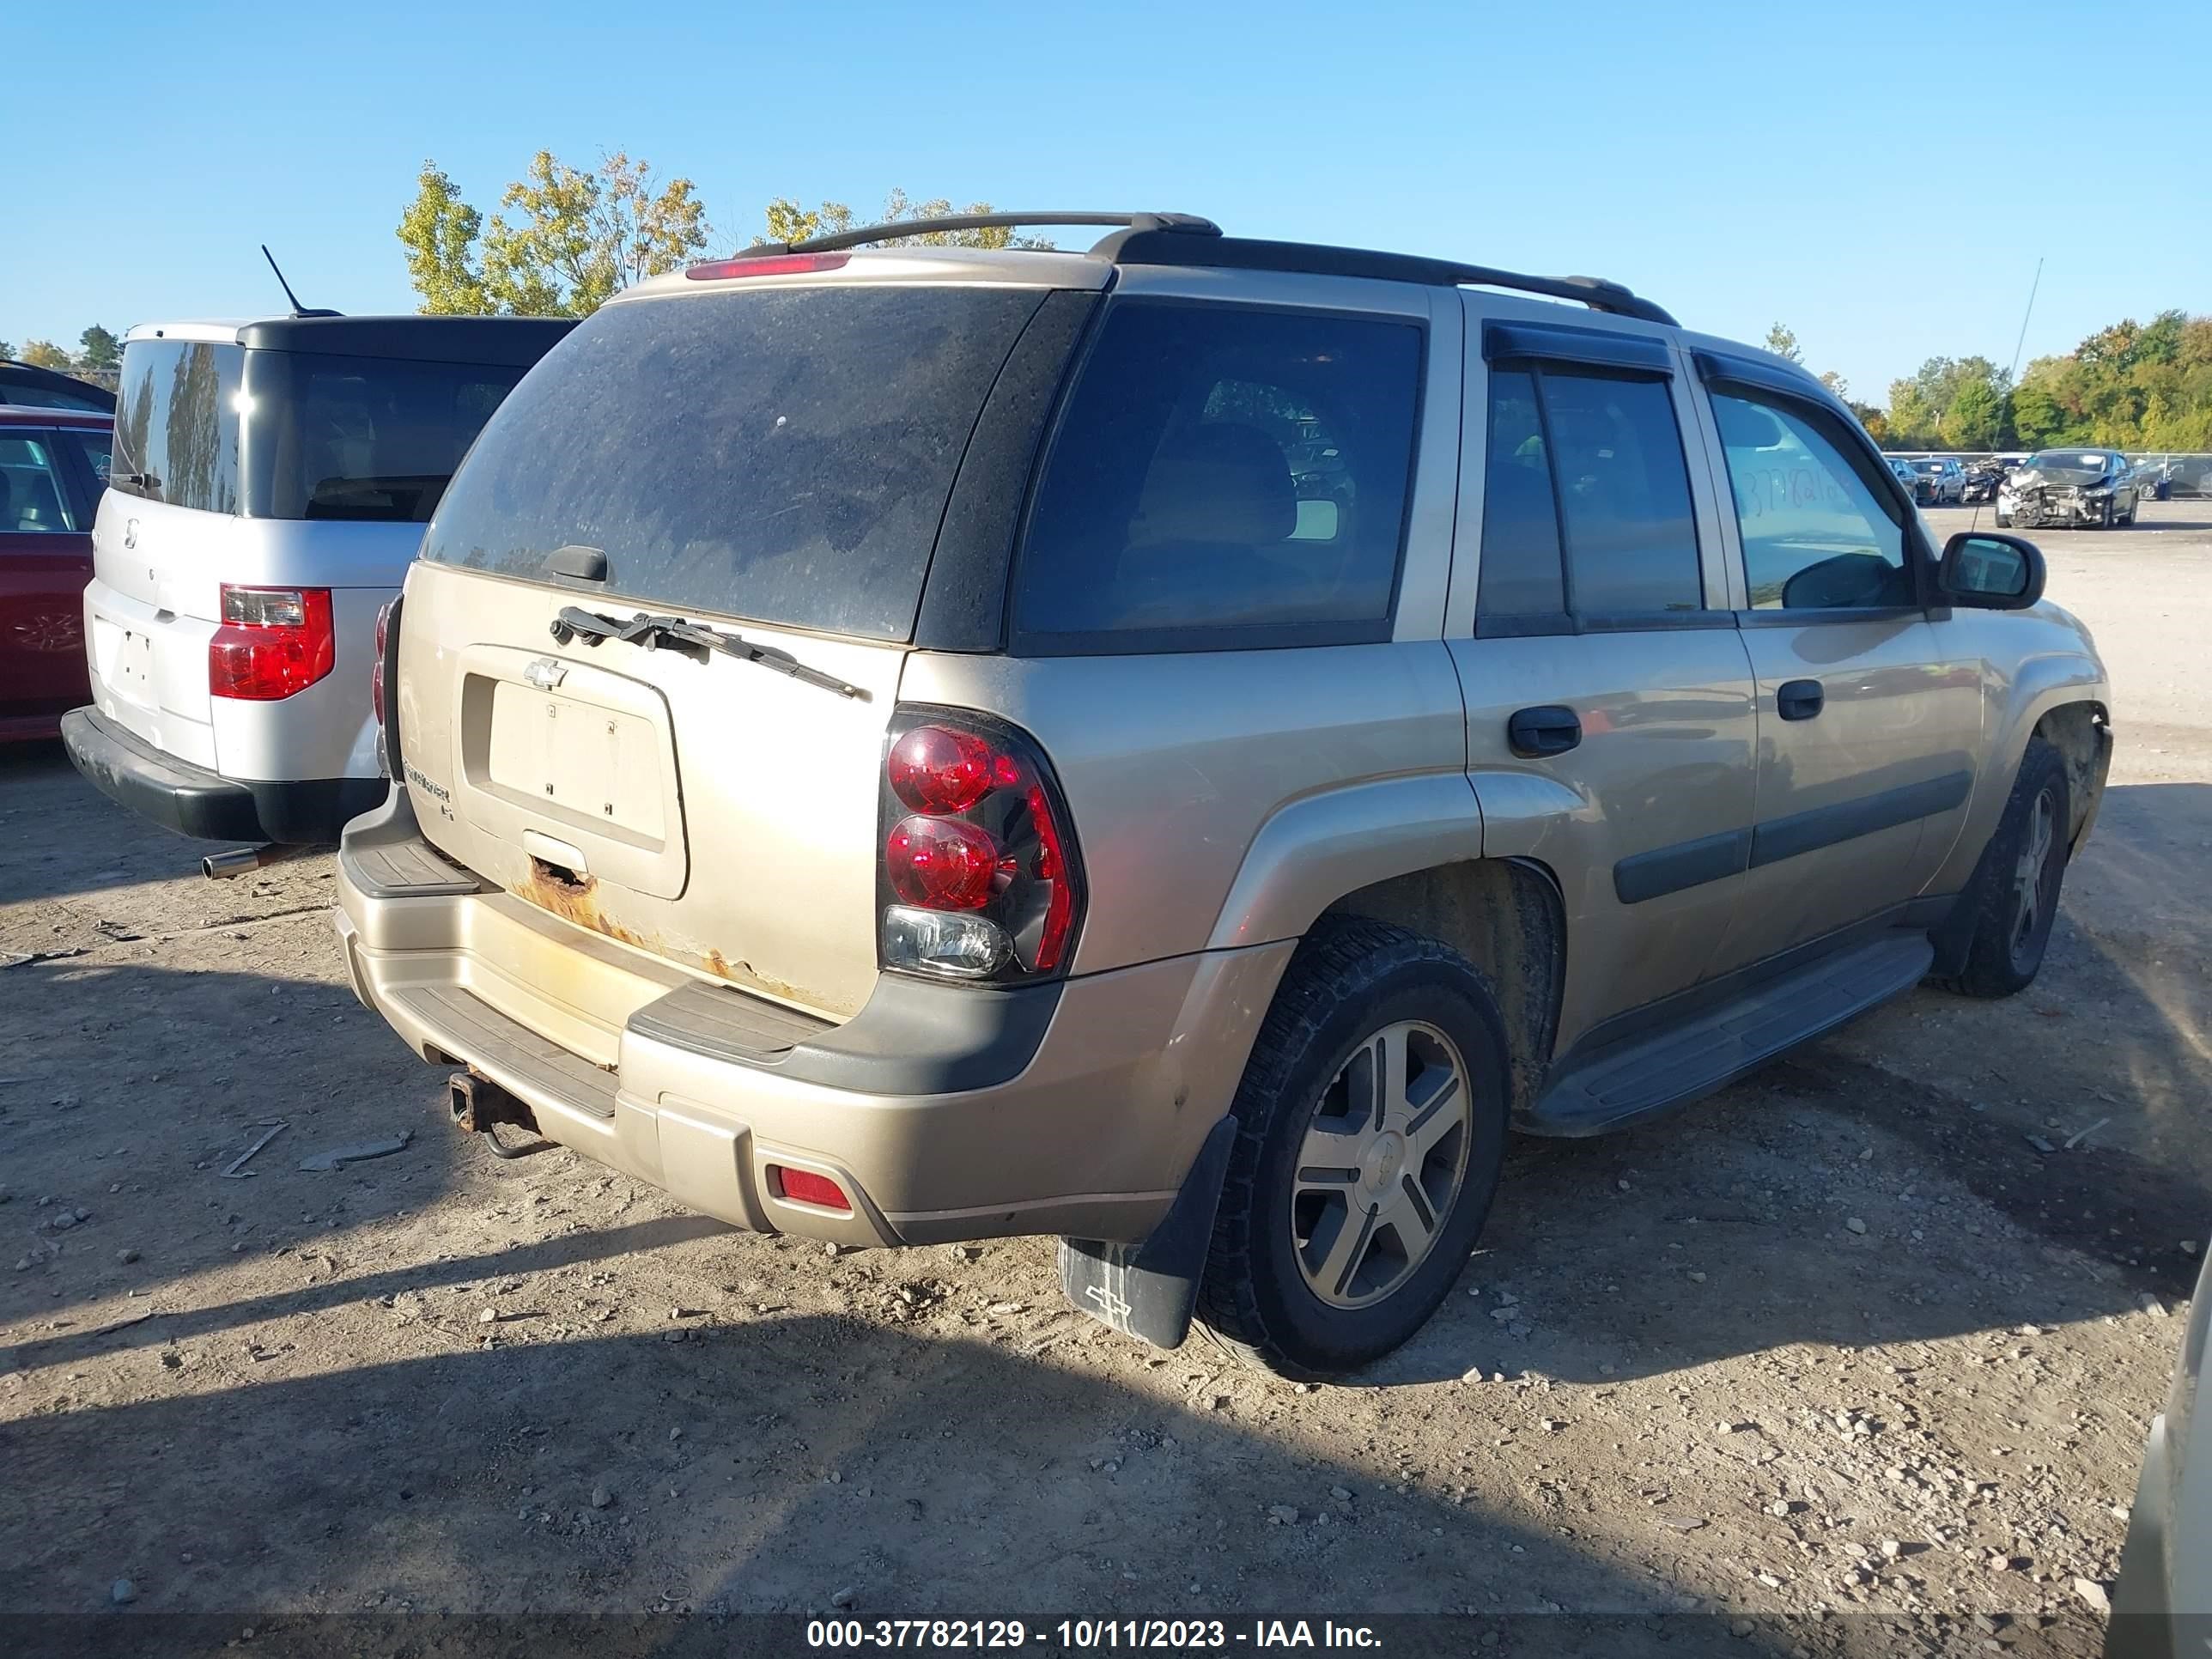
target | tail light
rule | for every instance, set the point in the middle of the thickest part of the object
(274, 642)
(980, 878)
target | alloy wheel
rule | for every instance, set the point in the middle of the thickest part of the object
(1382, 1160)
(2035, 877)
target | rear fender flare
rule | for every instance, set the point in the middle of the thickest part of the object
(1314, 851)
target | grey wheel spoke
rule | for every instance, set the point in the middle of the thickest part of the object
(1443, 1111)
(1388, 1072)
(1330, 1146)
(1408, 1214)
(1345, 1250)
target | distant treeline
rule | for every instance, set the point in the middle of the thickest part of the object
(2134, 386)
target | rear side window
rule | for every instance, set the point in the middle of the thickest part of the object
(362, 438)
(31, 498)
(782, 454)
(1589, 463)
(176, 424)
(1521, 571)
(1225, 476)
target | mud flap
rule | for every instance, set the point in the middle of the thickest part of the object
(1148, 1291)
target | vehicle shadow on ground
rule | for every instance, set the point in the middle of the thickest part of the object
(479, 1480)
(105, 846)
(129, 1085)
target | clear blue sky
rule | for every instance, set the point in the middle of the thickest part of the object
(1881, 177)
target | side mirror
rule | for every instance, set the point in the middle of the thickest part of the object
(1985, 571)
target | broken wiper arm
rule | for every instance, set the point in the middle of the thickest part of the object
(652, 632)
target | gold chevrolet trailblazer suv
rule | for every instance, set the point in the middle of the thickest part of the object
(1181, 747)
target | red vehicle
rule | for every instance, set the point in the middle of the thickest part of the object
(54, 466)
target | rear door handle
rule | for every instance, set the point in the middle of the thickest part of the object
(1799, 700)
(1550, 729)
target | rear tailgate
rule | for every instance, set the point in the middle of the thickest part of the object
(714, 813)
(154, 602)
(770, 461)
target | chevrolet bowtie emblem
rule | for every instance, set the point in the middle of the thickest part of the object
(546, 674)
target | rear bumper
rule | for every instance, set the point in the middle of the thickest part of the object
(945, 1112)
(193, 801)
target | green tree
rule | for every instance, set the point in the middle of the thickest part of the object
(45, 354)
(1837, 385)
(787, 221)
(1920, 405)
(2039, 419)
(6, 349)
(102, 350)
(1783, 344)
(581, 238)
(440, 232)
(563, 243)
(1975, 419)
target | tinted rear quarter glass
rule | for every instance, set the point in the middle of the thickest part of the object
(779, 454)
(1221, 476)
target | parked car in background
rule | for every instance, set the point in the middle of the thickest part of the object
(1050, 820)
(2153, 476)
(2189, 475)
(2069, 488)
(271, 481)
(1982, 478)
(2163, 1604)
(54, 465)
(1946, 479)
(1915, 485)
(26, 386)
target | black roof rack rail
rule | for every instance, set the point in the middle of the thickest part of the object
(1175, 224)
(1139, 246)
(1185, 239)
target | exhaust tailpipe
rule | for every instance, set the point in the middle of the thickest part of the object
(223, 866)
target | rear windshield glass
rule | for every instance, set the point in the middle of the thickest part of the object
(176, 424)
(362, 438)
(293, 434)
(783, 455)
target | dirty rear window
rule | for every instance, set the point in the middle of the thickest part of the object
(783, 455)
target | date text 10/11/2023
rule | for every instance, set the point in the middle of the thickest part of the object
(1186, 1635)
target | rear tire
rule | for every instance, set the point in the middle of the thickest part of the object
(1371, 1129)
(2014, 898)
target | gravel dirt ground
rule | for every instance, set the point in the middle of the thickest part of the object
(1842, 1359)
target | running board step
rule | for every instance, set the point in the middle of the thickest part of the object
(1634, 1076)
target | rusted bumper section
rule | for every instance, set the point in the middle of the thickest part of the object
(945, 1112)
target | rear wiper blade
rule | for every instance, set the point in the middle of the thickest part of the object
(653, 632)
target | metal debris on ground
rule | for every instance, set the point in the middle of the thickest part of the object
(271, 1128)
(2074, 1140)
(338, 1157)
